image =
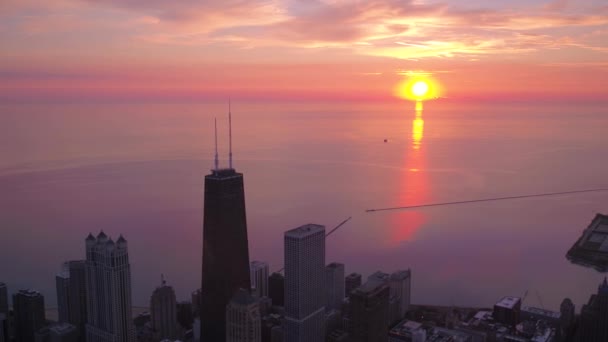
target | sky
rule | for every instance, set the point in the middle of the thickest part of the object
(334, 50)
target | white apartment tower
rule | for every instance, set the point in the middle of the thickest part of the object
(259, 278)
(108, 279)
(305, 293)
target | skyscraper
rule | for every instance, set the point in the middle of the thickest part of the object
(592, 325)
(3, 299)
(77, 297)
(4, 337)
(163, 308)
(276, 289)
(334, 286)
(225, 247)
(351, 282)
(108, 279)
(243, 320)
(369, 312)
(400, 284)
(62, 284)
(28, 306)
(259, 278)
(305, 283)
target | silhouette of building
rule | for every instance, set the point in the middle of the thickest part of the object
(369, 305)
(196, 302)
(108, 280)
(508, 311)
(225, 247)
(567, 320)
(394, 299)
(77, 297)
(59, 332)
(62, 285)
(334, 286)
(305, 283)
(351, 282)
(29, 308)
(592, 325)
(3, 299)
(163, 310)
(243, 319)
(259, 279)
(4, 335)
(276, 289)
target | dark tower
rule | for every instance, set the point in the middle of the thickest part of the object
(225, 247)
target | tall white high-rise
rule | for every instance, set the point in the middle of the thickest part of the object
(108, 279)
(334, 285)
(164, 312)
(305, 284)
(243, 319)
(259, 278)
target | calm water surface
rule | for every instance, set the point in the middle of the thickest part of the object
(67, 170)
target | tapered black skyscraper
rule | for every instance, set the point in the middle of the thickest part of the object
(225, 247)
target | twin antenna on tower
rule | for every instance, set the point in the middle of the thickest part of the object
(229, 139)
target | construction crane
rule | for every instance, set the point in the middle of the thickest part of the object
(327, 234)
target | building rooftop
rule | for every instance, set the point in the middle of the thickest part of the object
(405, 328)
(380, 276)
(354, 275)
(335, 265)
(305, 230)
(242, 297)
(62, 328)
(370, 286)
(591, 249)
(400, 275)
(508, 302)
(29, 293)
(224, 174)
(541, 312)
(257, 263)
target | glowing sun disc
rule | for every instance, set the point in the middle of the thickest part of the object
(420, 88)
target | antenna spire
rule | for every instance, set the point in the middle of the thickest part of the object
(216, 158)
(229, 133)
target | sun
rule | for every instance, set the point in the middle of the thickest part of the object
(420, 89)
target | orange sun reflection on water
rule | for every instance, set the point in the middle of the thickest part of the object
(415, 185)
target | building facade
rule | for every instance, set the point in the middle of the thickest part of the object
(108, 290)
(351, 282)
(369, 305)
(276, 289)
(3, 299)
(259, 278)
(305, 283)
(28, 307)
(334, 286)
(243, 319)
(163, 309)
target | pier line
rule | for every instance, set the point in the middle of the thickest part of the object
(489, 199)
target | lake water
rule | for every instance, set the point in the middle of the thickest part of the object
(137, 169)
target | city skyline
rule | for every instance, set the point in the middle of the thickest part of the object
(396, 171)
